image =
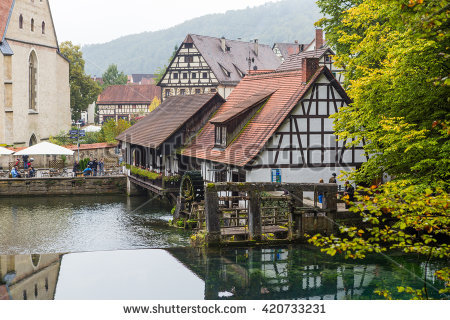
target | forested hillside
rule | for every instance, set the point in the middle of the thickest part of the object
(283, 21)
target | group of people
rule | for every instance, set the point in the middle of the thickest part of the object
(349, 191)
(29, 171)
(94, 168)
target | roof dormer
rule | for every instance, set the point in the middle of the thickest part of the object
(225, 71)
(232, 121)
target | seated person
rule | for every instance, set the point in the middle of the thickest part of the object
(76, 168)
(87, 172)
(31, 172)
(15, 173)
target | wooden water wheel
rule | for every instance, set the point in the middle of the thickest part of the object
(192, 189)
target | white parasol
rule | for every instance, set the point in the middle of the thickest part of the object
(45, 148)
(5, 152)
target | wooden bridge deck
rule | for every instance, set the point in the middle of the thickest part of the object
(152, 187)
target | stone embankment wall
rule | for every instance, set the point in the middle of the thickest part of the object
(63, 186)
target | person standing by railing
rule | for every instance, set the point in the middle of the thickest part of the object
(101, 167)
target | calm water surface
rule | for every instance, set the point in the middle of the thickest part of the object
(291, 272)
(80, 223)
(101, 248)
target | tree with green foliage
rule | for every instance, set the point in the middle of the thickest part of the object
(83, 90)
(161, 71)
(112, 76)
(61, 139)
(111, 129)
(396, 59)
(155, 103)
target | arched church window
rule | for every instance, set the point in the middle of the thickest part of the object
(43, 27)
(32, 24)
(32, 81)
(21, 22)
(33, 140)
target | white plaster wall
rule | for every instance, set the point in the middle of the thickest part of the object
(301, 175)
(53, 91)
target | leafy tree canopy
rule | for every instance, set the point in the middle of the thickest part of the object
(111, 129)
(83, 90)
(112, 76)
(396, 58)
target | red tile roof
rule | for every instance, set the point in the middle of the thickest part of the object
(6, 7)
(242, 107)
(92, 146)
(127, 94)
(74, 147)
(288, 88)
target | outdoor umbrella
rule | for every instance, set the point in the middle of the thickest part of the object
(45, 148)
(5, 152)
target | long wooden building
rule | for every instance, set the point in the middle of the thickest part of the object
(153, 141)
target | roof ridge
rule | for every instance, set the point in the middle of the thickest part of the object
(274, 72)
(234, 40)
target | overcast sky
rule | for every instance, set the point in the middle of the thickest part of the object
(98, 21)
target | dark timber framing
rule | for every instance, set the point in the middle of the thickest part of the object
(310, 110)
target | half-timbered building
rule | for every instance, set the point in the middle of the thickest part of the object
(126, 101)
(153, 141)
(207, 65)
(276, 127)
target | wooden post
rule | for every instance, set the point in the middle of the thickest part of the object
(212, 216)
(297, 202)
(254, 216)
(331, 205)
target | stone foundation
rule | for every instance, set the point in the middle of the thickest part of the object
(63, 186)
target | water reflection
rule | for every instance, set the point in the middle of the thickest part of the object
(303, 272)
(29, 277)
(85, 223)
(290, 272)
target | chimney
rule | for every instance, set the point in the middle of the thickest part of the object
(256, 47)
(223, 44)
(309, 67)
(319, 38)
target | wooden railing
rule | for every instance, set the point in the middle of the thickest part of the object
(256, 216)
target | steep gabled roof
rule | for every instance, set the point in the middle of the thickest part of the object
(242, 107)
(255, 134)
(236, 57)
(166, 119)
(288, 49)
(6, 7)
(295, 61)
(131, 93)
